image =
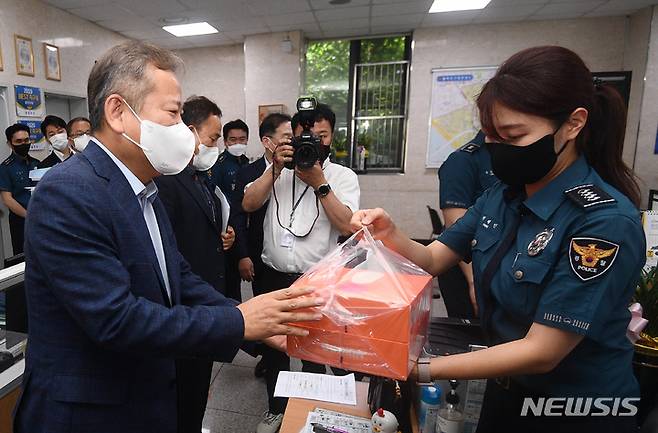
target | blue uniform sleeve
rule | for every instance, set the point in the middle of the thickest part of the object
(5, 178)
(595, 277)
(458, 180)
(458, 236)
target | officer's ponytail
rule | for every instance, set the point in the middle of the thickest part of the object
(551, 82)
(603, 141)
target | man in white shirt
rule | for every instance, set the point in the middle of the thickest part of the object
(308, 210)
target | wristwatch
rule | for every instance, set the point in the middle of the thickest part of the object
(323, 190)
(424, 376)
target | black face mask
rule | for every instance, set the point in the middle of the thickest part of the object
(324, 152)
(22, 149)
(523, 165)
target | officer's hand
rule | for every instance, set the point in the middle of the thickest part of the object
(282, 154)
(278, 342)
(228, 238)
(246, 268)
(270, 314)
(313, 177)
(377, 221)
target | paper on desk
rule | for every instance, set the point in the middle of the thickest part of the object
(226, 208)
(344, 422)
(312, 386)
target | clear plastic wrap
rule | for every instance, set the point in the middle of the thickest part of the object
(376, 313)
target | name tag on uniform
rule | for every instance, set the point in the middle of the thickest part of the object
(287, 239)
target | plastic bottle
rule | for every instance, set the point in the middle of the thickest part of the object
(430, 401)
(450, 419)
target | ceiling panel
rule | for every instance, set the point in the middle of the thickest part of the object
(342, 13)
(235, 19)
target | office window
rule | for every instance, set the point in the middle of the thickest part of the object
(365, 82)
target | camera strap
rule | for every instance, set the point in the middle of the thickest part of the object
(295, 205)
(278, 219)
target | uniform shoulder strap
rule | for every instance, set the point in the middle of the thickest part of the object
(9, 160)
(470, 147)
(589, 195)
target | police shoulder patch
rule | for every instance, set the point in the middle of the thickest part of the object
(470, 147)
(591, 257)
(589, 195)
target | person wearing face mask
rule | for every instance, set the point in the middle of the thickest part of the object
(195, 213)
(53, 129)
(104, 339)
(557, 248)
(14, 181)
(223, 174)
(308, 211)
(79, 133)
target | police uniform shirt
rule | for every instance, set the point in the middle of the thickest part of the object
(574, 265)
(225, 171)
(14, 177)
(465, 175)
(289, 254)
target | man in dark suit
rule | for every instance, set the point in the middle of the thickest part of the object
(195, 213)
(103, 339)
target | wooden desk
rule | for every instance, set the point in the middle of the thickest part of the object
(298, 409)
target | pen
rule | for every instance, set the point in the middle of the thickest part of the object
(319, 428)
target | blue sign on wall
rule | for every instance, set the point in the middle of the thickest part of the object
(457, 77)
(29, 101)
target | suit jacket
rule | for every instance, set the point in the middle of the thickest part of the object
(102, 336)
(248, 226)
(197, 235)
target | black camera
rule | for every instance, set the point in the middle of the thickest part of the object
(307, 146)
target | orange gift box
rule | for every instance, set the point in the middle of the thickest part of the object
(377, 312)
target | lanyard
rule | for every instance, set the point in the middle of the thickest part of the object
(295, 205)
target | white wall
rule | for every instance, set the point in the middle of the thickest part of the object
(271, 77)
(646, 163)
(80, 43)
(217, 73)
(599, 41)
(638, 31)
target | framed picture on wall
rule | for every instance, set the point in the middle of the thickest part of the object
(51, 58)
(265, 110)
(2, 62)
(24, 55)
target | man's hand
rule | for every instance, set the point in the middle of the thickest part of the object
(282, 154)
(270, 314)
(278, 342)
(474, 301)
(228, 238)
(313, 177)
(246, 268)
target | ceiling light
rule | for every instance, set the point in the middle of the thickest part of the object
(193, 29)
(339, 2)
(457, 5)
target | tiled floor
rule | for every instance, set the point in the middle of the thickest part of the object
(237, 398)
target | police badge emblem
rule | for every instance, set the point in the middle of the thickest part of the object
(540, 242)
(591, 257)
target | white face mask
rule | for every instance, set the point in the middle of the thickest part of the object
(206, 158)
(168, 148)
(237, 149)
(81, 142)
(59, 141)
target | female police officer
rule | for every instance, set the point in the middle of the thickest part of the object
(557, 247)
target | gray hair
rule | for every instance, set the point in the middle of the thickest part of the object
(122, 70)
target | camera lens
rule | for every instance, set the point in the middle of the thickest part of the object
(305, 156)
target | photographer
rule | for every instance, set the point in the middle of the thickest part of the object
(309, 208)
